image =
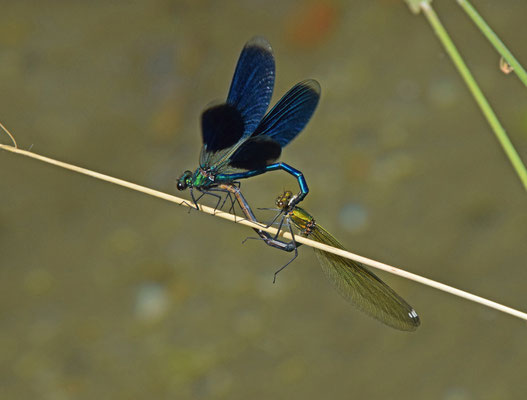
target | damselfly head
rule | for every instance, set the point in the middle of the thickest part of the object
(282, 201)
(184, 180)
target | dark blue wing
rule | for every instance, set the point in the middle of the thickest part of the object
(287, 118)
(221, 127)
(255, 153)
(291, 114)
(253, 82)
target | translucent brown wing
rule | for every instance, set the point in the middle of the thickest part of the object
(362, 287)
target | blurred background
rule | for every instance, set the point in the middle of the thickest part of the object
(111, 294)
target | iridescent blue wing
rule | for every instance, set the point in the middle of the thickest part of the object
(222, 127)
(255, 153)
(291, 114)
(281, 125)
(253, 81)
(225, 125)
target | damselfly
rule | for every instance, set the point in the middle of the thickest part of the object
(239, 139)
(351, 279)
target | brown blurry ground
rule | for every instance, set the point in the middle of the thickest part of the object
(109, 294)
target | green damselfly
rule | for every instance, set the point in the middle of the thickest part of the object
(351, 279)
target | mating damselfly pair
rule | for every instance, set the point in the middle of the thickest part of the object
(241, 140)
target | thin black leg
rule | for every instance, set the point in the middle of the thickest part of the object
(296, 251)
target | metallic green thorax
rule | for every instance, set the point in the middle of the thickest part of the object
(300, 217)
(303, 220)
(201, 179)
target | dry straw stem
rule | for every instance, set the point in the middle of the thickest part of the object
(272, 230)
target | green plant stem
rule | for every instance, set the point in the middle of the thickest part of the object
(482, 102)
(494, 40)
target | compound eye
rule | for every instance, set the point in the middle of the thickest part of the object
(184, 180)
(181, 185)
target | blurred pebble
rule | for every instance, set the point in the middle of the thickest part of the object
(353, 217)
(151, 302)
